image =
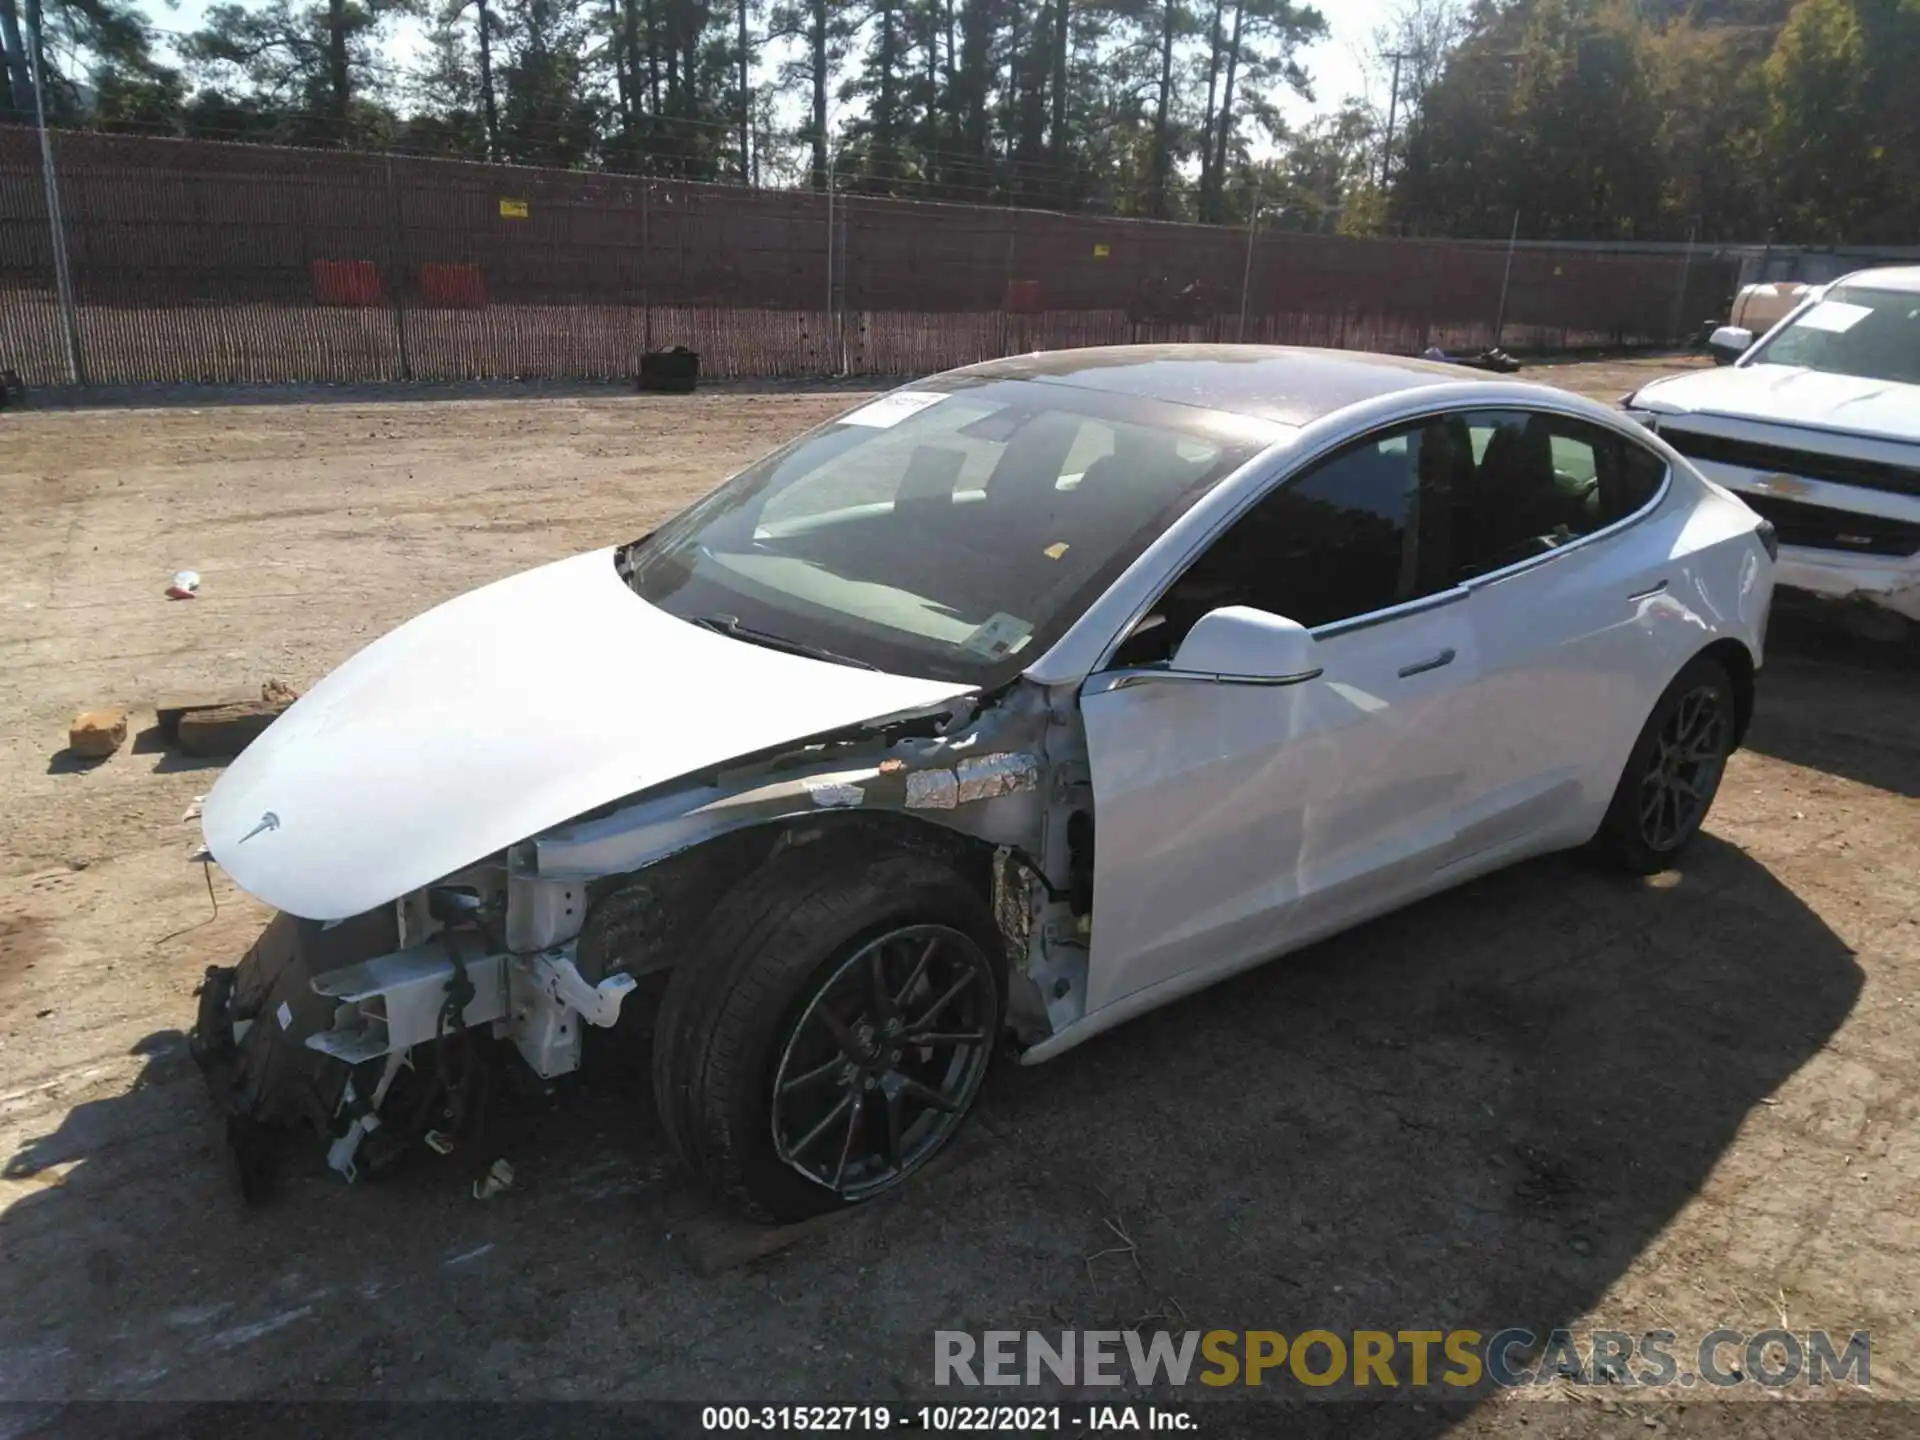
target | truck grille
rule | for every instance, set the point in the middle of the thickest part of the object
(1820, 527)
(1778, 459)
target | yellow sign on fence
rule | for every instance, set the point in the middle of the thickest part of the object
(513, 209)
(1100, 252)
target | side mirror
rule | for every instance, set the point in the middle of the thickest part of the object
(1240, 645)
(1729, 343)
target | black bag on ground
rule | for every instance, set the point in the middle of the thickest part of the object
(674, 371)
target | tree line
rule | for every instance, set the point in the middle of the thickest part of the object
(1580, 119)
(1136, 106)
(1796, 120)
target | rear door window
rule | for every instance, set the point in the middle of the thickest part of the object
(1539, 482)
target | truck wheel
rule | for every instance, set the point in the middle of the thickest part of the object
(827, 1033)
(1673, 772)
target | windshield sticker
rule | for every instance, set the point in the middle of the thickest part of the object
(1000, 636)
(890, 410)
(1834, 315)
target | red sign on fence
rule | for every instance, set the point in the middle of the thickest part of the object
(1023, 297)
(346, 282)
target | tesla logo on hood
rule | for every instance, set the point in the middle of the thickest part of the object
(268, 821)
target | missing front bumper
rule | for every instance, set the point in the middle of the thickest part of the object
(335, 1030)
(247, 1038)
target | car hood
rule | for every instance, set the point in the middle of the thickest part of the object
(500, 714)
(1787, 395)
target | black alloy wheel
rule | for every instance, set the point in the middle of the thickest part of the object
(884, 1060)
(1683, 771)
(1673, 771)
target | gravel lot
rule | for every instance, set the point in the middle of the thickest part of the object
(1552, 1097)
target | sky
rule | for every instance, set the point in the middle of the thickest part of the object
(1337, 64)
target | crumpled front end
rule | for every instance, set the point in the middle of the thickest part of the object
(248, 1037)
(379, 1032)
(375, 1033)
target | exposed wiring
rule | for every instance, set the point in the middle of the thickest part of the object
(460, 994)
(206, 869)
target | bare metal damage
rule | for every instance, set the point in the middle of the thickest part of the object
(554, 935)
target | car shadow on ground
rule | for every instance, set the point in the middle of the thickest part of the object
(1475, 1113)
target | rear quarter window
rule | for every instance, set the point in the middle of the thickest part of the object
(1637, 476)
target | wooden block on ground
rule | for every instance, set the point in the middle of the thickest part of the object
(225, 730)
(717, 1239)
(171, 708)
(96, 734)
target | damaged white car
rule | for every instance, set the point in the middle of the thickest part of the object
(1003, 708)
(1817, 427)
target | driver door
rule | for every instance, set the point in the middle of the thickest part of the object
(1233, 820)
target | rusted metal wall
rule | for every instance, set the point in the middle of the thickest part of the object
(195, 261)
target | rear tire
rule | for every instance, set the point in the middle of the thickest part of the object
(1673, 771)
(785, 1064)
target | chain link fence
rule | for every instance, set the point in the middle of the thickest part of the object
(202, 262)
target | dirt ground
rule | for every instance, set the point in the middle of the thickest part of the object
(1549, 1098)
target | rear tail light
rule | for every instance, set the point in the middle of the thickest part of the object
(1770, 538)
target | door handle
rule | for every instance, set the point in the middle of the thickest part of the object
(1420, 667)
(1646, 594)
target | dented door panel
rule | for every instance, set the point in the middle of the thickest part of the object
(1234, 819)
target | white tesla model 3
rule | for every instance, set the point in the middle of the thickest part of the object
(1004, 707)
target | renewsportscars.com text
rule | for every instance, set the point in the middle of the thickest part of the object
(1387, 1360)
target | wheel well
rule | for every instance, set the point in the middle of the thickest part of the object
(1739, 662)
(971, 857)
(645, 917)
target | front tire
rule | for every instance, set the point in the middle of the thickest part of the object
(828, 1032)
(1673, 772)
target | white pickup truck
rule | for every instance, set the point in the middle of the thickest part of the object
(1816, 425)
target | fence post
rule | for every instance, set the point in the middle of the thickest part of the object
(57, 230)
(646, 264)
(826, 350)
(1506, 276)
(397, 264)
(1680, 300)
(682, 227)
(1006, 290)
(1246, 275)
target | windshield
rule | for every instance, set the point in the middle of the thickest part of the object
(952, 533)
(1874, 334)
